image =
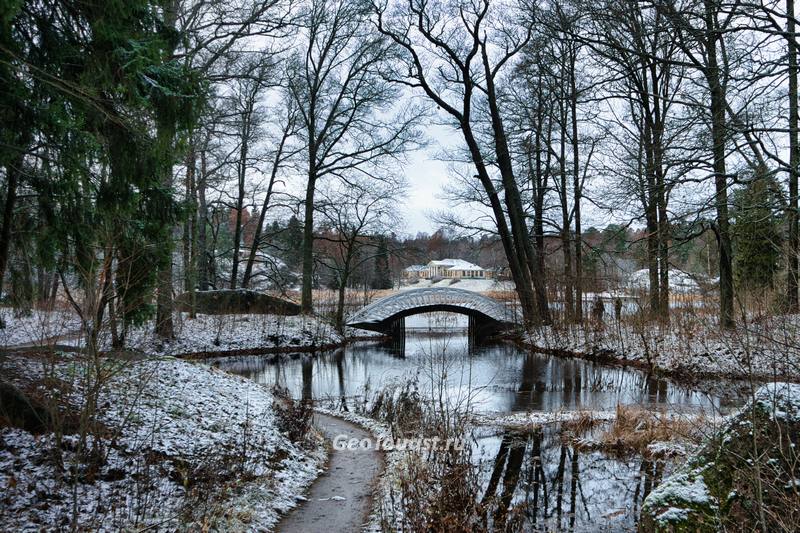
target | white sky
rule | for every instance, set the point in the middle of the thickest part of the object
(426, 175)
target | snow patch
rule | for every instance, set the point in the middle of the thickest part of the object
(168, 421)
(223, 333)
(780, 400)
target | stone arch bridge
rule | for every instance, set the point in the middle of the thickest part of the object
(387, 315)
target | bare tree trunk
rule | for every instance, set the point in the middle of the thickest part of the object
(522, 251)
(650, 203)
(718, 131)
(189, 223)
(242, 173)
(793, 262)
(276, 164)
(13, 171)
(306, 302)
(202, 221)
(663, 247)
(518, 267)
(164, 325)
(343, 280)
(566, 243)
(251, 258)
(651, 220)
(657, 136)
(577, 188)
(538, 271)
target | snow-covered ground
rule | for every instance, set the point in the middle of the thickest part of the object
(476, 285)
(769, 349)
(183, 447)
(36, 327)
(679, 281)
(226, 333)
(701, 495)
(205, 333)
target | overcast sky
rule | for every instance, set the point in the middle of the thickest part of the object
(426, 174)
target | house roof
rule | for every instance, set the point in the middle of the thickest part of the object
(469, 266)
(455, 264)
(415, 268)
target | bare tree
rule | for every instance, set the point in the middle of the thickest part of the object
(455, 54)
(282, 153)
(205, 33)
(700, 28)
(343, 100)
(249, 114)
(354, 213)
(630, 38)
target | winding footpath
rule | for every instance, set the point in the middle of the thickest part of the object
(340, 500)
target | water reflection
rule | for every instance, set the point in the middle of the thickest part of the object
(498, 377)
(537, 482)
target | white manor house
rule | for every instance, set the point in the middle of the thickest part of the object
(446, 268)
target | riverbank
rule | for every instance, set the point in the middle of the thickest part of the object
(198, 337)
(237, 334)
(168, 444)
(744, 478)
(36, 326)
(767, 350)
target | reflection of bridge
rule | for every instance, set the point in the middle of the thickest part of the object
(387, 315)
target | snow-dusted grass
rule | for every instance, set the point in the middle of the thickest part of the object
(767, 349)
(532, 419)
(36, 327)
(183, 446)
(231, 333)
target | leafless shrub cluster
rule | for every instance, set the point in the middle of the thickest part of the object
(293, 417)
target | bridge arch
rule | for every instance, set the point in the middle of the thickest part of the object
(383, 315)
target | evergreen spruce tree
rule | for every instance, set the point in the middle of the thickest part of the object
(93, 81)
(292, 238)
(757, 233)
(383, 276)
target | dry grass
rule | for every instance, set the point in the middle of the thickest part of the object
(579, 425)
(634, 428)
(503, 296)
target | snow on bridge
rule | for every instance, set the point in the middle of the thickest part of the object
(382, 314)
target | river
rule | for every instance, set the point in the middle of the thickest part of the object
(565, 488)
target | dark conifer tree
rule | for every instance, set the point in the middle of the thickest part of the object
(383, 276)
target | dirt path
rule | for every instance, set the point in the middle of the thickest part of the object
(340, 500)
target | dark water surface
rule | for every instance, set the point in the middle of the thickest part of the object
(494, 378)
(564, 488)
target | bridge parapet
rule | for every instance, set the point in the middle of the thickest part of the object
(379, 315)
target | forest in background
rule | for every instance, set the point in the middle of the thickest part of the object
(173, 146)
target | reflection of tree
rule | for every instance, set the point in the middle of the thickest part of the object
(572, 384)
(536, 478)
(573, 489)
(308, 372)
(650, 473)
(507, 467)
(527, 398)
(562, 459)
(339, 357)
(513, 467)
(656, 390)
